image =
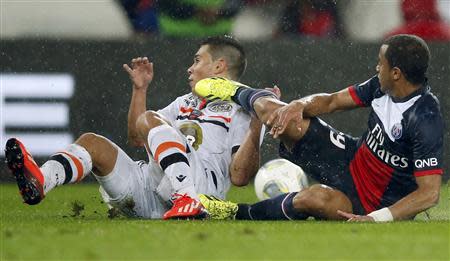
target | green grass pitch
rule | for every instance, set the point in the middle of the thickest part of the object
(55, 230)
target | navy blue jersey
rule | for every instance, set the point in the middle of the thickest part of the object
(404, 140)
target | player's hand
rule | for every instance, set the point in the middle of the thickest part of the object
(355, 218)
(275, 90)
(140, 72)
(280, 118)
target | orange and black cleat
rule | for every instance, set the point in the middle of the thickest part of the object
(185, 207)
(29, 177)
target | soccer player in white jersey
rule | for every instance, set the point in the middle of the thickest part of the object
(194, 146)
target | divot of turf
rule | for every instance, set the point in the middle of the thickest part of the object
(113, 213)
(77, 208)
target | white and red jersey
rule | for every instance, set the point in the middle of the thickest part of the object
(404, 140)
(214, 130)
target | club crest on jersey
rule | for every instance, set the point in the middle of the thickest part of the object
(220, 107)
(191, 100)
(396, 131)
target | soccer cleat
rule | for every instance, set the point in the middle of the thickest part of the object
(29, 177)
(217, 208)
(185, 207)
(217, 88)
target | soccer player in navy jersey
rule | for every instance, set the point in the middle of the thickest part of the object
(392, 172)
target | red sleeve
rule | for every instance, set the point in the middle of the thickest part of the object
(428, 172)
(355, 97)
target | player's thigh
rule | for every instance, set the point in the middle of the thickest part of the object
(207, 175)
(322, 201)
(103, 152)
(131, 188)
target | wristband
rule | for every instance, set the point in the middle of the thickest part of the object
(381, 215)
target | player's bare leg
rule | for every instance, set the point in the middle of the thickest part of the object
(146, 122)
(169, 150)
(318, 201)
(261, 102)
(71, 165)
(265, 106)
(102, 151)
(321, 202)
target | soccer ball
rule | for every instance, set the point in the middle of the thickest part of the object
(279, 176)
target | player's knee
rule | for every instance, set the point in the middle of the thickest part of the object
(153, 119)
(89, 139)
(310, 198)
(94, 143)
(293, 134)
(102, 151)
(148, 120)
(316, 198)
(322, 202)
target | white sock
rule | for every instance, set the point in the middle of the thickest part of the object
(169, 151)
(68, 166)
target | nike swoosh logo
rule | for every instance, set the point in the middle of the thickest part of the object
(181, 178)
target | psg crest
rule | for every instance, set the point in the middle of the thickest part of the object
(396, 131)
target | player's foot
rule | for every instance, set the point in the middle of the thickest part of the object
(185, 207)
(29, 177)
(217, 88)
(217, 208)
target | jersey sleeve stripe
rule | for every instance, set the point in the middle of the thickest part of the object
(228, 120)
(428, 172)
(186, 110)
(355, 97)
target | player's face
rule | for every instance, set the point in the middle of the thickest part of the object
(384, 70)
(202, 67)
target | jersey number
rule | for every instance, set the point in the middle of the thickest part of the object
(337, 139)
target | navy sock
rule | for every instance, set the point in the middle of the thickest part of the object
(247, 96)
(278, 208)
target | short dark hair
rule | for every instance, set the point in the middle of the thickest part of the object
(410, 54)
(229, 48)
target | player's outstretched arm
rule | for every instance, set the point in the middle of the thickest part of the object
(424, 197)
(310, 106)
(141, 74)
(246, 160)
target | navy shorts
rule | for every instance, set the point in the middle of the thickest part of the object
(325, 154)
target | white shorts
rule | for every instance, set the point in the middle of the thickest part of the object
(132, 188)
(140, 189)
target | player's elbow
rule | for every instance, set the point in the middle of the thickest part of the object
(134, 141)
(430, 199)
(433, 198)
(239, 180)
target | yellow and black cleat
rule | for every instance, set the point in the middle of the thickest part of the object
(218, 209)
(217, 88)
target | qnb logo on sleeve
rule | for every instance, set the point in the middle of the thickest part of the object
(424, 163)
